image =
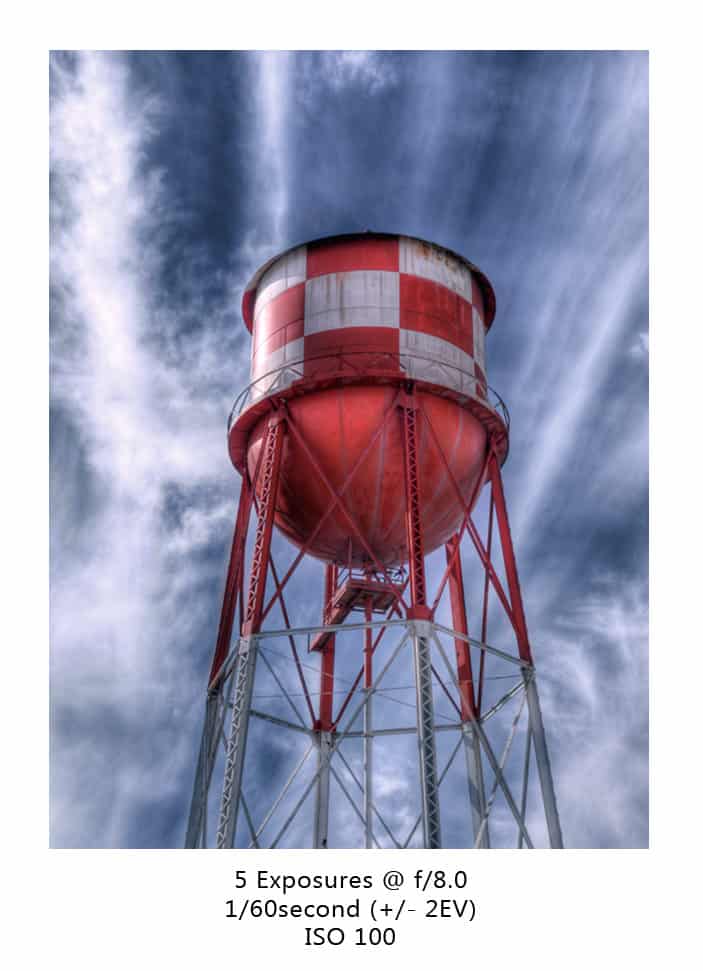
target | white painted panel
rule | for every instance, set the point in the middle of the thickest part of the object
(359, 298)
(428, 358)
(479, 340)
(421, 259)
(285, 273)
(286, 354)
(420, 369)
(436, 348)
(278, 370)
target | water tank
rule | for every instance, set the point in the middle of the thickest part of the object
(339, 327)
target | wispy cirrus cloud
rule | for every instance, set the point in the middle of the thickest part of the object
(273, 103)
(367, 69)
(147, 429)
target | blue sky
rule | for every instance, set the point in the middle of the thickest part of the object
(173, 177)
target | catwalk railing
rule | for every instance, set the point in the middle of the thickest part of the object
(363, 365)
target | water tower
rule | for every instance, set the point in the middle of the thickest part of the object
(366, 437)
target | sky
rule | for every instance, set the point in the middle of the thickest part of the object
(173, 177)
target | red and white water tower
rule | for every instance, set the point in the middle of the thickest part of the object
(366, 436)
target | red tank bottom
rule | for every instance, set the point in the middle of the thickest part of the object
(337, 424)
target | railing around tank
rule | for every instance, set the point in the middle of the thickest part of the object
(388, 361)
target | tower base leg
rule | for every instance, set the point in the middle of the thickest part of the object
(477, 792)
(236, 745)
(368, 773)
(544, 769)
(322, 796)
(429, 789)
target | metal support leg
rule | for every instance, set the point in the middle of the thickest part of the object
(198, 804)
(538, 736)
(477, 792)
(322, 802)
(544, 770)
(429, 789)
(244, 683)
(368, 730)
(368, 773)
(215, 712)
(464, 679)
(234, 579)
(327, 662)
(236, 745)
(420, 628)
(324, 738)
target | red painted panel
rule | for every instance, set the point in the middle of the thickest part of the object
(248, 307)
(466, 326)
(351, 341)
(285, 309)
(431, 308)
(283, 336)
(344, 255)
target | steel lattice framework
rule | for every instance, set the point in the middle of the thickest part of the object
(395, 605)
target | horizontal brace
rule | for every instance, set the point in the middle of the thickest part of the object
(410, 730)
(279, 721)
(484, 647)
(291, 631)
(267, 634)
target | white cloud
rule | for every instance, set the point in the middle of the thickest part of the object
(640, 348)
(594, 691)
(367, 69)
(573, 380)
(272, 162)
